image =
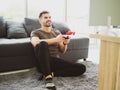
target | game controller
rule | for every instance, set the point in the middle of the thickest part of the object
(70, 33)
(66, 37)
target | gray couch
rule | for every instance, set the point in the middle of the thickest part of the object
(16, 51)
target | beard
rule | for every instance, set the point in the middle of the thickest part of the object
(48, 24)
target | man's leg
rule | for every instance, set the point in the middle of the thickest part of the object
(64, 68)
(42, 61)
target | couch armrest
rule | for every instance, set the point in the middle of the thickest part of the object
(77, 49)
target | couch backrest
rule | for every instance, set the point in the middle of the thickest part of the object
(14, 29)
(3, 31)
(31, 24)
(62, 27)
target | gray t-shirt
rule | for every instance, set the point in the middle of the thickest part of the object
(53, 48)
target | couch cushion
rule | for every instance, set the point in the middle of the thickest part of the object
(78, 42)
(62, 27)
(15, 30)
(15, 47)
(31, 24)
(3, 31)
(5, 41)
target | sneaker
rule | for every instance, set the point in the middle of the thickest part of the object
(49, 84)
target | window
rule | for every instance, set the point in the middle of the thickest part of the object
(78, 15)
(56, 8)
(12, 9)
(74, 12)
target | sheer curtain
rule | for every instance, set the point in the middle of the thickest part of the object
(12, 9)
(75, 13)
(56, 8)
(78, 15)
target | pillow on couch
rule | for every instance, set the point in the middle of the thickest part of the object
(15, 30)
(3, 32)
(62, 27)
(31, 24)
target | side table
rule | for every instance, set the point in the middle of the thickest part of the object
(109, 66)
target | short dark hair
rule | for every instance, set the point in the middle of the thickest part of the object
(43, 12)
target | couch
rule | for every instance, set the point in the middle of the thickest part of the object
(16, 51)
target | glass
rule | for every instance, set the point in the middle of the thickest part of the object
(55, 7)
(12, 9)
(78, 15)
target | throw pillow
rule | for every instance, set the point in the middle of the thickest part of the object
(31, 24)
(15, 30)
(62, 27)
(3, 32)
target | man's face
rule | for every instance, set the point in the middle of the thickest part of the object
(45, 20)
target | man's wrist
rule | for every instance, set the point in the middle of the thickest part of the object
(64, 43)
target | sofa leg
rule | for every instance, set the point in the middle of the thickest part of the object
(84, 59)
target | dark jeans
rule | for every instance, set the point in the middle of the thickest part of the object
(46, 64)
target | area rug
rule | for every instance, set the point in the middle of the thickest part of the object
(29, 81)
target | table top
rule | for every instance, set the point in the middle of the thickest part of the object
(106, 37)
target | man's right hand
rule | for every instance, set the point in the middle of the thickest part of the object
(35, 41)
(59, 38)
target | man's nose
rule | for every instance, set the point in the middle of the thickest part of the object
(49, 18)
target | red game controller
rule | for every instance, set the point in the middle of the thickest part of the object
(66, 37)
(70, 33)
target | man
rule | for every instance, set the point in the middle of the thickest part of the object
(47, 43)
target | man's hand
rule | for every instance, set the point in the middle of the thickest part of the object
(60, 38)
(35, 41)
(63, 44)
(66, 40)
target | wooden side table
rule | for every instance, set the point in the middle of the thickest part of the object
(109, 66)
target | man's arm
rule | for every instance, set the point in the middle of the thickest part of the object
(63, 45)
(35, 40)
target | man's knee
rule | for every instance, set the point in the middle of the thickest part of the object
(83, 68)
(43, 43)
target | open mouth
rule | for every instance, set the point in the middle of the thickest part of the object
(48, 21)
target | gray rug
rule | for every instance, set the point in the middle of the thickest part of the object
(28, 81)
